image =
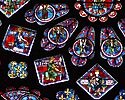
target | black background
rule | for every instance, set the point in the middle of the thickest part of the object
(38, 52)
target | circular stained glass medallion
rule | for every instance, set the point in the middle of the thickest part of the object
(58, 35)
(112, 48)
(83, 47)
(45, 13)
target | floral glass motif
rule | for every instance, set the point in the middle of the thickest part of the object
(22, 93)
(121, 95)
(98, 9)
(19, 39)
(96, 82)
(111, 47)
(121, 25)
(83, 47)
(10, 7)
(44, 13)
(68, 94)
(58, 35)
(17, 70)
(51, 70)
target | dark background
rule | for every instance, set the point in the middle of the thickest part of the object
(38, 52)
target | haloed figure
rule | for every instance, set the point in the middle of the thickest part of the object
(111, 46)
(21, 43)
(45, 12)
(53, 71)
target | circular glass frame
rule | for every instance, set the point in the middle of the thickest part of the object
(110, 48)
(82, 53)
(50, 8)
(58, 30)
